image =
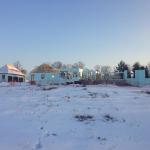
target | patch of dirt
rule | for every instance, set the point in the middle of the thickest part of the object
(93, 95)
(109, 118)
(115, 92)
(67, 97)
(84, 118)
(41, 128)
(146, 92)
(104, 95)
(47, 88)
(101, 138)
(83, 85)
(54, 134)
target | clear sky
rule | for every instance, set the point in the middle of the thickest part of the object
(93, 31)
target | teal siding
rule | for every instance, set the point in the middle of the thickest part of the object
(139, 79)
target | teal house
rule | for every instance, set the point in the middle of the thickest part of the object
(139, 79)
(70, 73)
(45, 74)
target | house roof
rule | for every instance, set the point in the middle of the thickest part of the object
(44, 68)
(10, 69)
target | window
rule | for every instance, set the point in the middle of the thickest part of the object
(3, 77)
(75, 74)
(62, 74)
(42, 76)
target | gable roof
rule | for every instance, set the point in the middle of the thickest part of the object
(44, 68)
(10, 69)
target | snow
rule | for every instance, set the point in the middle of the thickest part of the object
(73, 117)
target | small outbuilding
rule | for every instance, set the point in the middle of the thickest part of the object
(9, 73)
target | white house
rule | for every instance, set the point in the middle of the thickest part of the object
(9, 73)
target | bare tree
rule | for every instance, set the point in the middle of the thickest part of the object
(57, 64)
(106, 72)
(18, 65)
(98, 72)
(24, 71)
(97, 68)
(80, 64)
(69, 65)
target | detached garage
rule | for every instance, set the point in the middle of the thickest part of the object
(9, 73)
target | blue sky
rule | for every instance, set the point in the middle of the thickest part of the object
(93, 31)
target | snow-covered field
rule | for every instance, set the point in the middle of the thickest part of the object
(102, 117)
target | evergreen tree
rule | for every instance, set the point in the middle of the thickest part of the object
(137, 66)
(121, 67)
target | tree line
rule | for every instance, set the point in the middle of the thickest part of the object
(122, 66)
(101, 71)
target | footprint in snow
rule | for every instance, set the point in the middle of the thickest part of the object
(38, 145)
(46, 134)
